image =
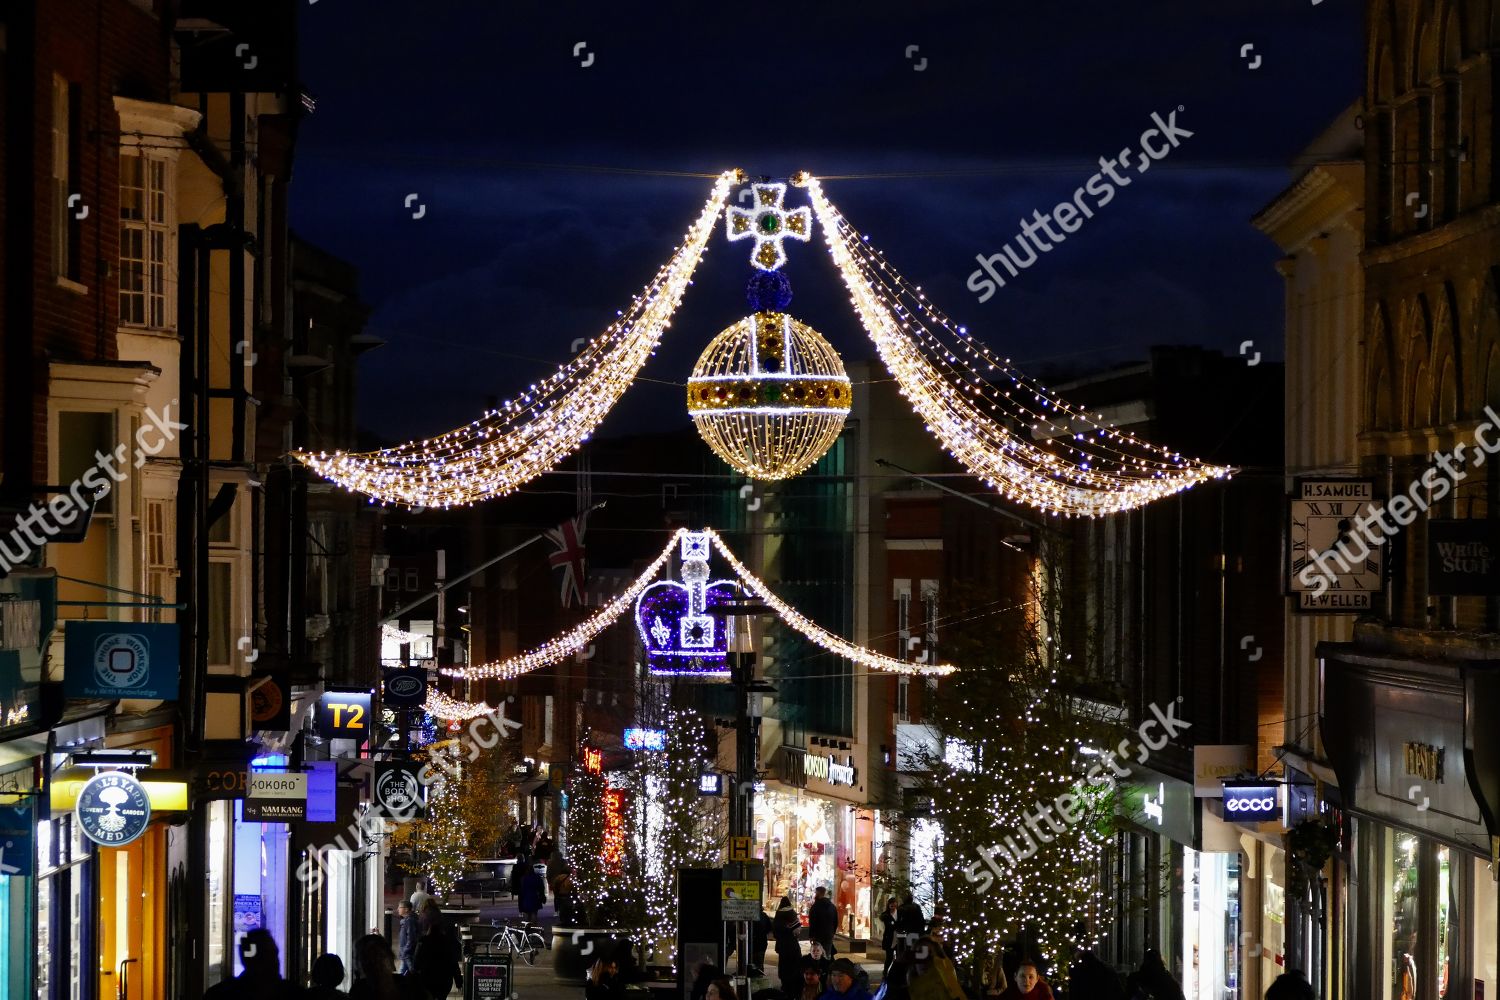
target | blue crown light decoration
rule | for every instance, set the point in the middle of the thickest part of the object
(679, 635)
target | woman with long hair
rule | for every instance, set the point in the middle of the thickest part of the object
(375, 973)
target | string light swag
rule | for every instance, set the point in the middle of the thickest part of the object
(578, 637)
(531, 433)
(988, 415)
(769, 224)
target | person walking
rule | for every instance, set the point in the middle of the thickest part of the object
(1153, 980)
(784, 928)
(327, 976)
(375, 973)
(604, 982)
(888, 922)
(933, 976)
(437, 960)
(823, 921)
(533, 892)
(260, 962)
(406, 935)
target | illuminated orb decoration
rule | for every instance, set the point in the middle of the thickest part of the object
(769, 395)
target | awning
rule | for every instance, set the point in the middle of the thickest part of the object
(536, 788)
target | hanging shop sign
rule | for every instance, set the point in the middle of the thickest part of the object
(17, 837)
(1158, 803)
(271, 703)
(711, 783)
(322, 790)
(1463, 557)
(1333, 567)
(113, 809)
(276, 797)
(344, 715)
(1213, 763)
(398, 791)
(645, 739)
(120, 660)
(404, 687)
(221, 781)
(1252, 801)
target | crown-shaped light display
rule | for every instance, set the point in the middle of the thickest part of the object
(678, 633)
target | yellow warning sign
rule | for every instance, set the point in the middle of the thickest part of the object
(740, 890)
(741, 849)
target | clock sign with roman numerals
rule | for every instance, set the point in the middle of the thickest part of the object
(1332, 567)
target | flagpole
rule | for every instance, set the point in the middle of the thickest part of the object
(449, 584)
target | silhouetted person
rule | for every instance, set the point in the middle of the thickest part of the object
(261, 978)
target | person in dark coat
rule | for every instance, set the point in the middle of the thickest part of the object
(375, 973)
(406, 935)
(327, 976)
(1291, 985)
(533, 893)
(437, 959)
(909, 919)
(822, 921)
(605, 981)
(888, 935)
(261, 975)
(1090, 977)
(785, 927)
(843, 982)
(1154, 979)
(760, 932)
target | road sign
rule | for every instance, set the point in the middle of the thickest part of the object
(741, 849)
(739, 900)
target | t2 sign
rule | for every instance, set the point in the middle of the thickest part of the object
(344, 715)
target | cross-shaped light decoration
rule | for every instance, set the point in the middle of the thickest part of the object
(770, 224)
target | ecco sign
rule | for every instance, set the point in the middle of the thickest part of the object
(1251, 802)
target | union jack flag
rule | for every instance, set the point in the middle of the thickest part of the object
(569, 557)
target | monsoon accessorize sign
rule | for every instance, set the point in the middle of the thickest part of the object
(120, 660)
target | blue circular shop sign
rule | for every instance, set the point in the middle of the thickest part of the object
(113, 809)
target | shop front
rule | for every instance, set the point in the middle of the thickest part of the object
(1192, 916)
(813, 834)
(1417, 754)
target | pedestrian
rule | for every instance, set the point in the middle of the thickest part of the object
(564, 901)
(419, 899)
(326, 977)
(897, 982)
(933, 976)
(784, 928)
(1154, 979)
(406, 935)
(1291, 985)
(604, 982)
(910, 919)
(888, 936)
(721, 989)
(760, 933)
(437, 960)
(823, 921)
(1028, 985)
(992, 981)
(844, 982)
(375, 973)
(812, 980)
(1090, 977)
(533, 892)
(260, 978)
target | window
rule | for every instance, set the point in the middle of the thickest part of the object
(220, 610)
(903, 699)
(393, 579)
(413, 582)
(157, 547)
(930, 618)
(81, 437)
(67, 230)
(903, 617)
(144, 240)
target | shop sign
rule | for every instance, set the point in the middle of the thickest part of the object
(120, 660)
(645, 739)
(1319, 518)
(275, 797)
(1158, 803)
(489, 979)
(113, 809)
(1423, 761)
(829, 769)
(344, 715)
(398, 790)
(1212, 763)
(1252, 801)
(17, 835)
(322, 790)
(404, 687)
(711, 783)
(1463, 557)
(593, 760)
(221, 781)
(271, 703)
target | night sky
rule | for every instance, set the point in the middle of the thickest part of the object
(553, 190)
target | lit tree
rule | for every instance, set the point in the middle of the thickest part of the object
(1021, 825)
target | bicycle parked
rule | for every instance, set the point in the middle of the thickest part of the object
(525, 941)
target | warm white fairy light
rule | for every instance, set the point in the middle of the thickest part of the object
(530, 434)
(1089, 470)
(579, 636)
(769, 395)
(769, 224)
(441, 706)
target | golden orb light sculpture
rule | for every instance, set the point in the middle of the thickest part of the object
(769, 395)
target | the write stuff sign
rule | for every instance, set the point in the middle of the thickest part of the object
(1463, 557)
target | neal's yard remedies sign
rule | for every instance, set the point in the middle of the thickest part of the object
(1463, 557)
